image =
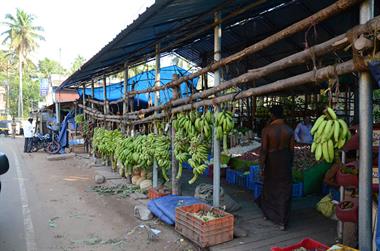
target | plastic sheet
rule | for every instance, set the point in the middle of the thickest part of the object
(164, 207)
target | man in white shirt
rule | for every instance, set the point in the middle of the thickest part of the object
(302, 132)
(28, 134)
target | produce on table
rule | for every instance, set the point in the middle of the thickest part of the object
(329, 133)
(303, 158)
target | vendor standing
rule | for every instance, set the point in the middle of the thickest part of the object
(28, 134)
(276, 160)
(302, 132)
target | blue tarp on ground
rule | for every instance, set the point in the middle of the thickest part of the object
(164, 207)
(143, 81)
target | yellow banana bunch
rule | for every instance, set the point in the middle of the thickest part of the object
(329, 133)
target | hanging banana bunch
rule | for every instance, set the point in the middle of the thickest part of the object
(199, 155)
(161, 153)
(224, 124)
(329, 133)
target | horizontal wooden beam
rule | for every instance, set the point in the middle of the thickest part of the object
(302, 57)
(316, 18)
(311, 77)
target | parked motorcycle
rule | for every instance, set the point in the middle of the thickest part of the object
(40, 142)
(48, 142)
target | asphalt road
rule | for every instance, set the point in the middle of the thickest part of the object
(12, 231)
(49, 206)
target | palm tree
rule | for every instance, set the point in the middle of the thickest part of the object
(22, 37)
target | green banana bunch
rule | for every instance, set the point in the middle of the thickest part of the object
(161, 153)
(224, 124)
(199, 155)
(181, 147)
(329, 133)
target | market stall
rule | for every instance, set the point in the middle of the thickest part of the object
(156, 141)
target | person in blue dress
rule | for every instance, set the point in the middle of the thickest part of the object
(302, 134)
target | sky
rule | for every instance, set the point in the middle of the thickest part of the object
(75, 27)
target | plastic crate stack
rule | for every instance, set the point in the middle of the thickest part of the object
(297, 190)
(244, 179)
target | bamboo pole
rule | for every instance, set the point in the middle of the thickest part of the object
(329, 46)
(316, 18)
(310, 77)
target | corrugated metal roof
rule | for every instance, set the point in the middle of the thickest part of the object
(169, 21)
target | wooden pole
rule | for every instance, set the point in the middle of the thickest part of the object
(176, 189)
(216, 143)
(92, 93)
(156, 103)
(105, 110)
(84, 97)
(316, 18)
(125, 99)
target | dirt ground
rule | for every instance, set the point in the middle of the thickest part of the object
(68, 215)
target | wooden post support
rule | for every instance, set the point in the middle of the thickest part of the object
(92, 93)
(216, 143)
(105, 108)
(176, 189)
(84, 98)
(156, 103)
(125, 97)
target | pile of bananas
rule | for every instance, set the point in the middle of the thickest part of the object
(199, 155)
(224, 125)
(329, 133)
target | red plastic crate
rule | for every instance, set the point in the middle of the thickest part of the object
(305, 243)
(153, 193)
(204, 234)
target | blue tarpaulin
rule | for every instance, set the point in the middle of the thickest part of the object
(143, 81)
(62, 136)
(164, 207)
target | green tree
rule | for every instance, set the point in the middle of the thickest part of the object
(78, 62)
(47, 67)
(21, 36)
